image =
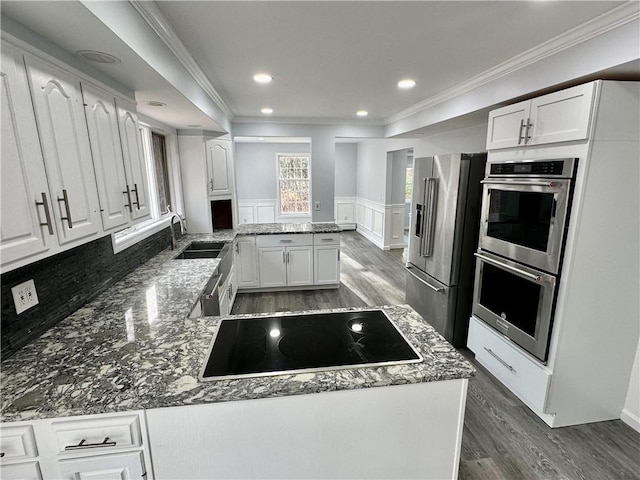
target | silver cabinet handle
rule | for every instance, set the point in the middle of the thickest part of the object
(127, 192)
(520, 136)
(286, 241)
(527, 137)
(535, 278)
(435, 289)
(83, 444)
(509, 367)
(288, 256)
(284, 258)
(516, 182)
(47, 213)
(237, 247)
(65, 199)
(137, 202)
(326, 240)
(211, 184)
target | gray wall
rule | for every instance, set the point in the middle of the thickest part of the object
(255, 165)
(398, 167)
(346, 164)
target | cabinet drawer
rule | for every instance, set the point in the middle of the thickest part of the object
(522, 375)
(21, 471)
(326, 239)
(17, 442)
(128, 465)
(97, 434)
(288, 240)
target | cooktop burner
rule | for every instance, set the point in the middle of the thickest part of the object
(254, 347)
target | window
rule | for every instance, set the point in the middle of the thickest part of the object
(294, 184)
(408, 187)
(161, 170)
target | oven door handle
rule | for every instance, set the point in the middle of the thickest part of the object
(517, 182)
(535, 278)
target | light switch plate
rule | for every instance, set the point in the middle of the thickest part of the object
(24, 296)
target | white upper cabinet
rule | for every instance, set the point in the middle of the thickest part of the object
(27, 225)
(133, 158)
(557, 117)
(219, 167)
(113, 190)
(65, 145)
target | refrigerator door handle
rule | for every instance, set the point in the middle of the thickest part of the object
(431, 191)
(435, 289)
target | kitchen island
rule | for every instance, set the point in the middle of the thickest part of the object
(134, 349)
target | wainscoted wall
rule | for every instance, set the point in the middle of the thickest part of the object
(381, 224)
(345, 212)
(67, 281)
(264, 211)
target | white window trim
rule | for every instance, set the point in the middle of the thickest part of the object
(292, 216)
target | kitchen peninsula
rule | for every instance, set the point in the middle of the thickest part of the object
(132, 354)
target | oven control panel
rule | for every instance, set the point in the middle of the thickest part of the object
(534, 168)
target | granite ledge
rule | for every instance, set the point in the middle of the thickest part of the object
(281, 228)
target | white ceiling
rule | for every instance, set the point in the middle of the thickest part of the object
(328, 58)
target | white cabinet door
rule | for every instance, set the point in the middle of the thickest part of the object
(21, 471)
(562, 116)
(507, 126)
(246, 262)
(119, 466)
(133, 159)
(273, 266)
(25, 197)
(64, 139)
(113, 191)
(219, 167)
(327, 265)
(299, 266)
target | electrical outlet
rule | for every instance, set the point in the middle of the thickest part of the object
(316, 205)
(24, 296)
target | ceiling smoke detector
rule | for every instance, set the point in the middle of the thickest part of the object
(98, 57)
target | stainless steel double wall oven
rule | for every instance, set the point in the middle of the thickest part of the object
(524, 219)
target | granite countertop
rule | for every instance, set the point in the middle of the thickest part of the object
(276, 228)
(133, 347)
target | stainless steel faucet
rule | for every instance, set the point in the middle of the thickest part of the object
(173, 233)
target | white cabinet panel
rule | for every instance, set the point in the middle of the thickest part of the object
(17, 442)
(23, 180)
(21, 471)
(113, 190)
(273, 266)
(299, 266)
(507, 125)
(65, 146)
(219, 167)
(120, 466)
(120, 431)
(133, 159)
(327, 264)
(246, 262)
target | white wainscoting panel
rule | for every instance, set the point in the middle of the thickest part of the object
(257, 211)
(345, 210)
(370, 221)
(245, 212)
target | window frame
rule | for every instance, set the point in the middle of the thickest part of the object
(290, 216)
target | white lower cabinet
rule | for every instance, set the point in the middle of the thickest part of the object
(288, 260)
(109, 446)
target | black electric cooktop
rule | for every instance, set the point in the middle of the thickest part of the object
(261, 346)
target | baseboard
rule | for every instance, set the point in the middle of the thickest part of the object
(363, 231)
(630, 419)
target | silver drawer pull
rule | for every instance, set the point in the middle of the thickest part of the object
(45, 204)
(509, 367)
(127, 192)
(327, 239)
(65, 200)
(83, 444)
(286, 241)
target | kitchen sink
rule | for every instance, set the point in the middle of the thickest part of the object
(202, 250)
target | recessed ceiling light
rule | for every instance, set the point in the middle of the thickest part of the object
(261, 139)
(406, 83)
(98, 57)
(262, 78)
(155, 103)
(362, 113)
(267, 111)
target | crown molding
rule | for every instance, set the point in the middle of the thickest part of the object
(154, 18)
(606, 22)
(311, 121)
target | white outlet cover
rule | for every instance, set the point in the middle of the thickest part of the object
(24, 296)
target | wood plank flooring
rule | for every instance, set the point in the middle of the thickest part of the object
(502, 438)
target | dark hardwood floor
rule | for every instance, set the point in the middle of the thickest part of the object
(502, 438)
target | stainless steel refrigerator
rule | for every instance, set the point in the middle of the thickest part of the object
(445, 215)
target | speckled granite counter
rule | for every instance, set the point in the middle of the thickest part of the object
(134, 347)
(276, 228)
